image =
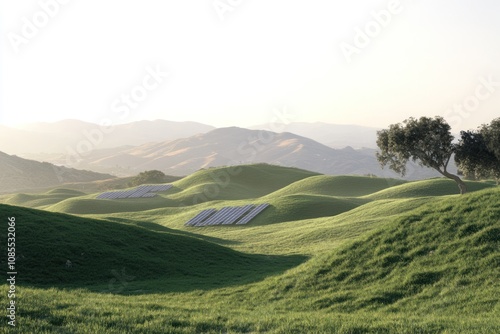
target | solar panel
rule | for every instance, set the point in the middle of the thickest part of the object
(144, 191)
(200, 217)
(227, 215)
(240, 211)
(223, 214)
(160, 187)
(139, 192)
(230, 212)
(258, 209)
(216, 218)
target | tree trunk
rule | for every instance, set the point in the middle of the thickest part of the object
(458, 180)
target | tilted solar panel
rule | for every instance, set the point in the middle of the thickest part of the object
(240, 211)
(216, 218)
(144, 191)
(200, 217)
(258, 209)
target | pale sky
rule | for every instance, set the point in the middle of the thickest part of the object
(234, 65)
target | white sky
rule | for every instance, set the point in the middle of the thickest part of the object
(263, 55)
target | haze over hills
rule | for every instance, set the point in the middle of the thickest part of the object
(333, 135)
(233, 146)
(40, 140)
(180, 148)
(18, 174)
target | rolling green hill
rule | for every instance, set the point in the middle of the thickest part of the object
(330, 255)
(100, 249)
(246, 181)
(224, 183)
(432, 187)
(349, 186)
(442, 258)
(41, 200)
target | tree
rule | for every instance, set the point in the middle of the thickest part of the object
(426, 141)
(474, 158)
(491, 134)
(150, 176)
(478, 152)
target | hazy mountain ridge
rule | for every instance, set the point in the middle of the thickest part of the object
(233, 145)
(17, 174)
(37, 140)
(333, 135)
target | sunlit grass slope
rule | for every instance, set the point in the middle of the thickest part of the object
(350, 186)
(236, 182)
(224, 183)
(442, 258)
(432, 187)
(48, 198)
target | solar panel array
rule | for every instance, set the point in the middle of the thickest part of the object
(227, 215)
(145, 191)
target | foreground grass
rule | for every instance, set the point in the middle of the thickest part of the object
(80, 311)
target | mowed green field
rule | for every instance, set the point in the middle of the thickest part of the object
(331, 254)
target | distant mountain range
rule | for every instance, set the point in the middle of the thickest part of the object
(41, 140)
(21, 174)
(333, 135)
(180, 148)
(44, 141)
(232, 146)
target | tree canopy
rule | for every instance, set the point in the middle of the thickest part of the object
(426, 141)
(478, 152)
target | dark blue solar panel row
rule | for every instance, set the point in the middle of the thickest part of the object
(227, 215)
(251, 215)
(200, 217)
(145, 191)
(239, 212)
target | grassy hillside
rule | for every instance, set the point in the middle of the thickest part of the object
(44, 199)
(350, 186)
(440, 259)
(422, 265)
(248, 180)
(101, 250)
(432, 187)
(214, 184)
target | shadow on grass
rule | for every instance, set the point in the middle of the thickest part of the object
(255, 268)
(71, 252)
(160, 228)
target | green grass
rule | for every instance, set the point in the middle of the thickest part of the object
(44, 199)
(441, 259)
(349, 186)
(330, 255)
(45, 241)
(432, 187)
